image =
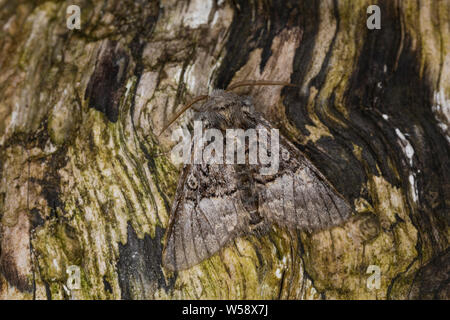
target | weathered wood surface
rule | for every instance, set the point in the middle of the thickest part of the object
(83, 181)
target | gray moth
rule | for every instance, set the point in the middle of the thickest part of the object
(215, 203)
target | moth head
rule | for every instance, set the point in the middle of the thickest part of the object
(223, 107)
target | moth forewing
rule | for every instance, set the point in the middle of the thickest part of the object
(299, 196)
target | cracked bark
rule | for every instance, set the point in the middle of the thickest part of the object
(85, 182)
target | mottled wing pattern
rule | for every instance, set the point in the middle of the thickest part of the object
(216, 203)
(298, 196)
(207, 213)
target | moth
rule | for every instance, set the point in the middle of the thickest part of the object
(215, 203)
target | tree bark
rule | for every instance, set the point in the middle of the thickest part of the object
(86, 182)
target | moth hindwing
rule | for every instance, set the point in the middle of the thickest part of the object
(217, 202)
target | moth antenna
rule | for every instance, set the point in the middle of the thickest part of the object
(186, 107)
(232, 87)
(260, 83)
